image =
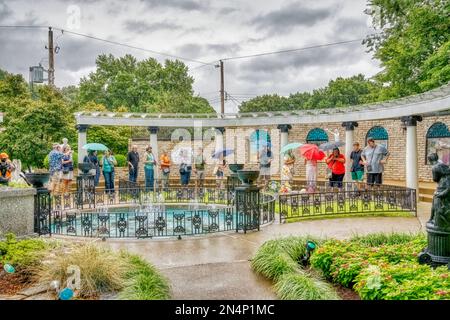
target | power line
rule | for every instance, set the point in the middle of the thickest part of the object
(293, 50)
(131, 46)
(111, 42)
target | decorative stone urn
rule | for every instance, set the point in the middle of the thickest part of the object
(235, 167)
(438, 227)
(38, 180)
(248, 177)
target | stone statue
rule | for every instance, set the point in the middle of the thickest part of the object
(437, 251)
(335, 133)
(440, 211)
(15, 174)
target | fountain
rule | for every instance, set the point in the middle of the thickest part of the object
(247, 200)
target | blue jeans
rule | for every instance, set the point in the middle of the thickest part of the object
(133, 173)
(109, 181)
(185, 177)
(149, 178)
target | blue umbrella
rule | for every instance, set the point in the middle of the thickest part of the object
(95, 147)
(291, 146)
(222, 153)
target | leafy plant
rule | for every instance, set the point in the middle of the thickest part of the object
(121, 160)
(101, 270)
(22, 254)
(301, 286)
(143, 281)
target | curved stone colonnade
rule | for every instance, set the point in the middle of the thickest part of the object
(408, 111)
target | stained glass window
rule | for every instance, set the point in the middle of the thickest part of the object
(258, 140)
(379, 134)
(438, 141)
(317, 136)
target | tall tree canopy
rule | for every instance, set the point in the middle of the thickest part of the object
(412, 44)
(32, 125)
(141, 86)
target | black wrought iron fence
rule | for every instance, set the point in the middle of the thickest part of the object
(141, 223)
(122, 212)
(371, 200)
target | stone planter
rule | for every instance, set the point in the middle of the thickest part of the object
(17, 211)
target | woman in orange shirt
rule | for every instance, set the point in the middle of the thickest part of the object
(336, 162)
(165, 169)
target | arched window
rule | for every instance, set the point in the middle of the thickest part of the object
(258, 141)
(317, 136)
(379, 134)
(438, 141)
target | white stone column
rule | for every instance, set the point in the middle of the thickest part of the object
(349, 136)
(219, 139)
(154, 144)
(411, 171)
(284, 140)
(82, 140)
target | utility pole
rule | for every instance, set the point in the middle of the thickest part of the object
(222, 89)
(51, 58)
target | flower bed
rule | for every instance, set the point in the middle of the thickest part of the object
(376, 266)
(102, 271)
(382, 267)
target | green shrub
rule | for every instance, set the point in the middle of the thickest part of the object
(143, 281)
(272, 262)
(301, 286)
(377, 239)
(121, 160)
(382, 267)
(22, 254)
(403, 281)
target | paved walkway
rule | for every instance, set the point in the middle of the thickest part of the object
(217, 267)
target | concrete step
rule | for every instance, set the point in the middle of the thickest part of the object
(426, 190)
(426, 198)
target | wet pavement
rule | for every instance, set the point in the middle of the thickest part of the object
(218, 267)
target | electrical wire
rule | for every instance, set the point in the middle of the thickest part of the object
(292, 50)
(111, 42)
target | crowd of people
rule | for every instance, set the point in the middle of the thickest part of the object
(370, 160)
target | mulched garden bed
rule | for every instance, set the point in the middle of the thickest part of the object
(346, 293)
(10, 284)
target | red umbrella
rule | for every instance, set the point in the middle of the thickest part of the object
(311, 152)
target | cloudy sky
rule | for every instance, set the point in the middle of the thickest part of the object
(205, 31)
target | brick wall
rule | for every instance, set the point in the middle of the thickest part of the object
(394, 170)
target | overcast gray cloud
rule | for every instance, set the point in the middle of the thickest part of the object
(201, 30)
(291, 16)
(140, 26)
(188, 5)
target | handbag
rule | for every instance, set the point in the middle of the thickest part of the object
(166, 170)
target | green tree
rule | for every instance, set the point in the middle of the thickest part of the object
(32, 125)
(411, 32)
(140, 86)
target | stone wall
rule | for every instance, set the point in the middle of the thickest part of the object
(394, 170)
(17, 211)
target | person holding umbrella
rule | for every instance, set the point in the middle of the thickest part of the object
(312, 154)
(108, 163)
(287, 171)
(92, 158)
(336, 162)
